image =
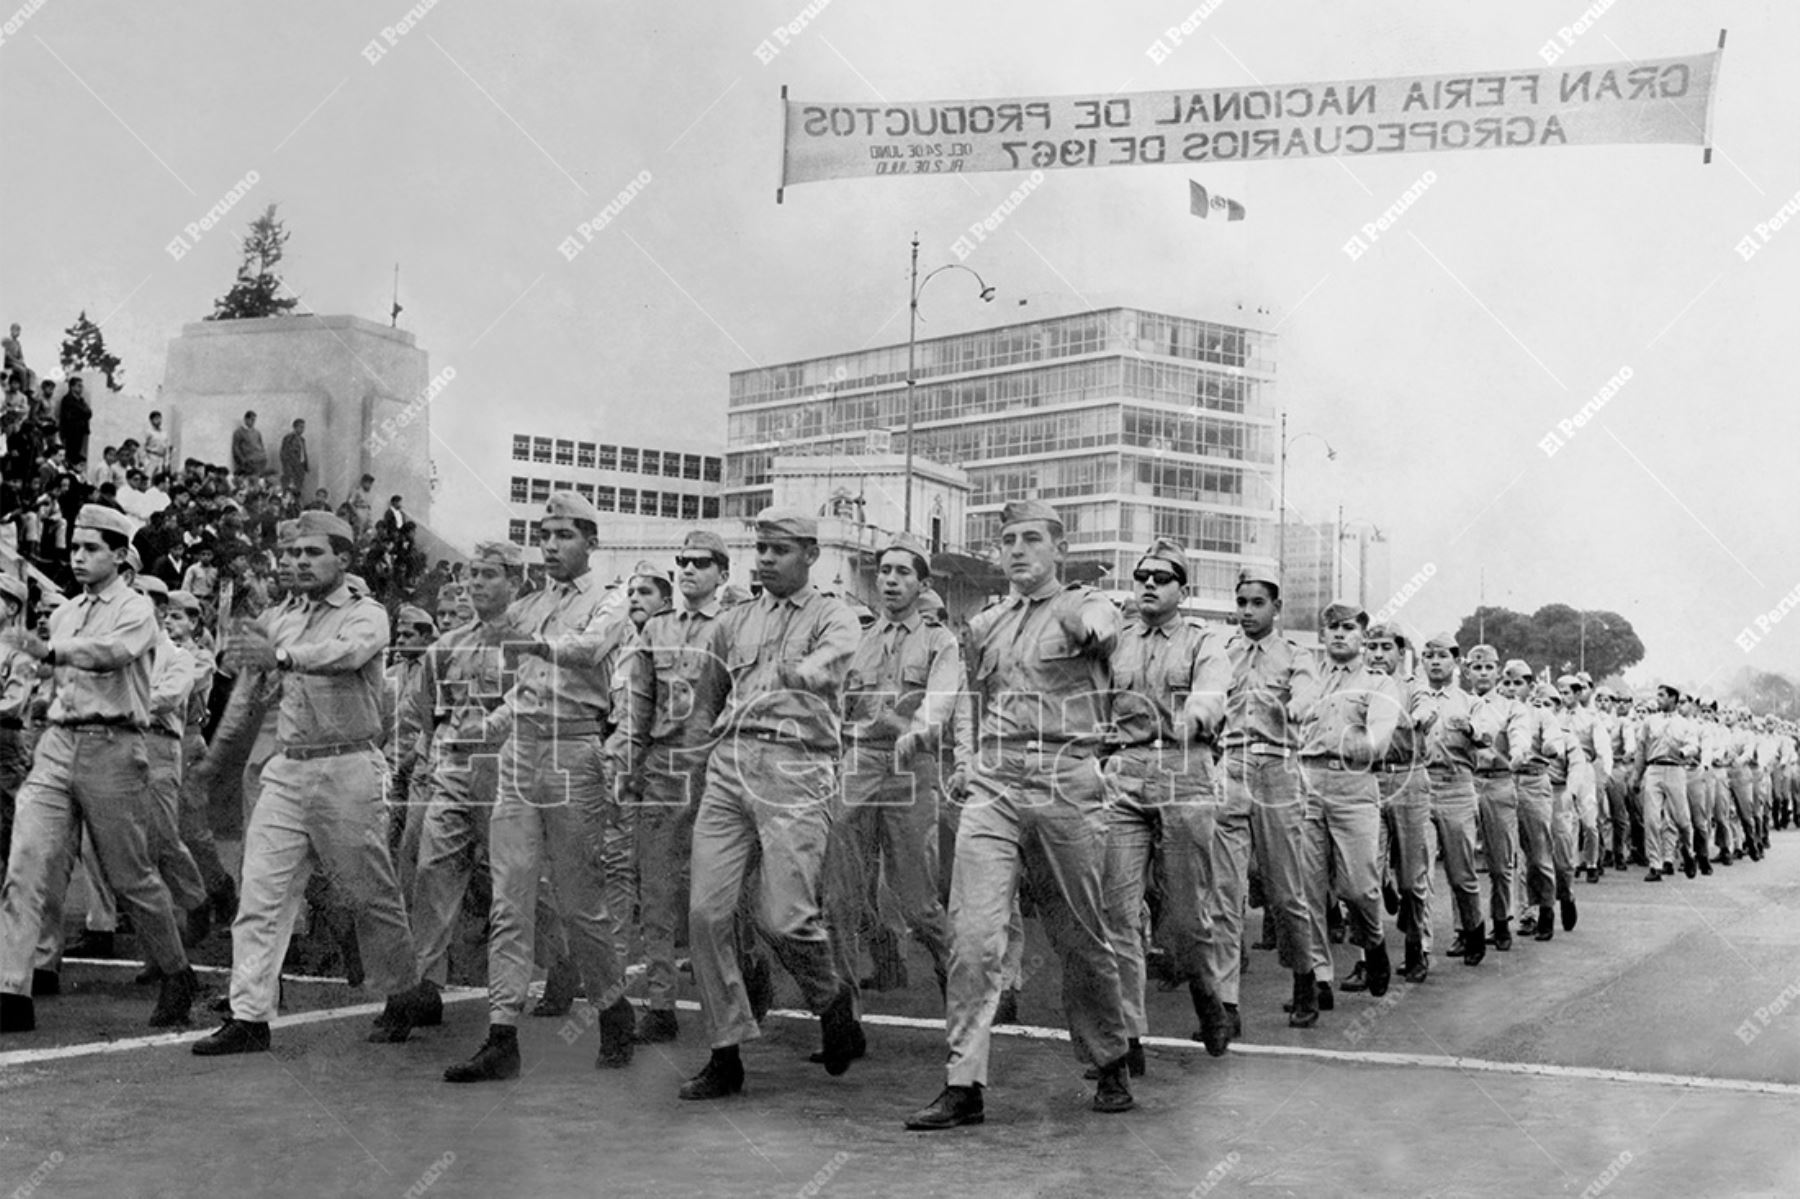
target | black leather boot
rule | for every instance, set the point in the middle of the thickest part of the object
(1304, 1009)
(1546, 923)
(954, 1107)
(498, 1058)
(1475, 944)
(173, 1001)
(618, 1024)
(1380, 970)
(1113, 1091)
(234, 1036)
(723, 1075)
(1215, 1026)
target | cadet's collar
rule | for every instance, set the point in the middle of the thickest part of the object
(581, 584)
(1146, 629)
(340, 595)
(1050, 587)
(107, 593)
(910, 622)
(710, 609)
(800, 599)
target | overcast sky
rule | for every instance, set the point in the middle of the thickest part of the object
(1511, 291)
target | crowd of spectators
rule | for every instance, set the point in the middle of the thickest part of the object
(206, 528)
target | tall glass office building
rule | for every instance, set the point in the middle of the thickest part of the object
(1134, 424)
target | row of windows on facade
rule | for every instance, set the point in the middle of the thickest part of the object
(1048, 387)
(1125, 331)
(628, 500)
(588, 455)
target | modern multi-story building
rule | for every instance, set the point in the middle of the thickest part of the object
(1135, 424)
(1328, 561)
(633, 480)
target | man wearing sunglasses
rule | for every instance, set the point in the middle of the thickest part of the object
(1346, 732)
(661, 711)
(1033, 814)
(1272, 680)
(1169, 680)
(900, 694)
(775, 678)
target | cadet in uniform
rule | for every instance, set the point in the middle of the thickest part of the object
(182, 623)
(18, 680)
(557, 807)
(898, 698)
(769, 794)
(1169, 681)
(1405, 813)
(1499, 721)
(91, 769)
(1621, 791)
(1592, 763)
(1666, 742)
(1441, 709)
(664, 714)
(1345, 733)
(322, 793)
(1558, 745)
(1699, 791)
(1035, 814)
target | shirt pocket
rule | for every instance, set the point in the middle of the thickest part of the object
(740, 662)
(1055, 645)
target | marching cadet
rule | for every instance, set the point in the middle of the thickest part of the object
(1442, 711)
(1593, 740)
(1499, 720)
(1534, 744)
(1767, 752)
(769, 791)
(91, 768)
(322, 792)
(664, 713)
(899, 695)
(556, 806)
(1345, 733)
(1621, 789)
(1169, 679)
(173, 679)
(1743, 789)
(1699, 790)
(1664, 744)
(18, 681)
(182, 624)
(403, 740)
(1036, 798)
(1405, 812)
(463, 680)
(1545, 697)
(1715, 754)
(1271, 679)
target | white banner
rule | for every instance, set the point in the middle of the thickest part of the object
(1657, 101)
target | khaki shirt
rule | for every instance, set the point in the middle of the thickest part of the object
(582, 625)
(1169, 683)
(178, 671)
(105, 648)
(1543, 745)
(904, 677)
(1448, 717)
(1352, 714)
(663, 695)
(1501, 723)
(1271, 679)
(462, 678)
(1668, 738)
(1036, 676)
(332, 694)
(1407, 748)
(814, 636)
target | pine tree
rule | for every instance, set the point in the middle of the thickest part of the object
(257, 292)
(84, 346)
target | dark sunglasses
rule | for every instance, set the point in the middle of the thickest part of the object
(697, 561)
(1162, 578)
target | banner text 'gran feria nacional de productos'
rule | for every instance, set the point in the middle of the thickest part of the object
(1656, 101)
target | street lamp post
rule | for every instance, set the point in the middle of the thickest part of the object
(912, 352)
(1281, 498)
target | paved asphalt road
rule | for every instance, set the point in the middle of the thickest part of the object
(1655, 1050)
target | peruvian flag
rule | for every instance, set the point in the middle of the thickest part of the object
(1203, 205)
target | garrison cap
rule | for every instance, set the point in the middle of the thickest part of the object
(646, 569)
(1566, 680)
(1584, 678)
(1483, 653)
(1517, 667)
(503, 553)
(786, 524)
(134, 560)
(1544, 693)
(913, 546)
(1671, 688)
(1017, 511)
(359, 586)
(286, 531)
(931, 601)
(1167, 549)
(109, 520)
(1260, 574)
(415, 615)
(1444, 641)
(1388, 630)
(14, 588)
(1344, 609)
(314, 523)
(707, 541)
(570, 505)
(187, 601)
(152, 586)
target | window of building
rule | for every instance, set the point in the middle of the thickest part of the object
(606, 498)
(584, 455)
(671, 504)
(652, 462)
(585, 491)
(690, 466)
(628, 458)
(515, 531)
(709, 507)
(690, 507)
(540, 449)
(540, 491)
(537, 532)
(521, 490)
(628, 499)
(565, 452)
(647, 501)
(521, 448)
(710, 470)
(609, 457)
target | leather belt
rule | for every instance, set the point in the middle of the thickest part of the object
(1493, 774)
(1323, 763)
(105, 728)
(333, 749)
(1069, 749)
(1661, 762)
(162, 732)
(1399, 767)
(557, 728)
(12, 723)
(1260, 749)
